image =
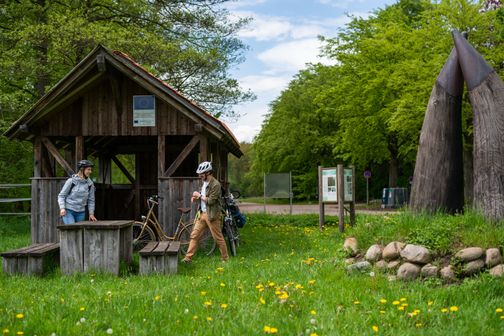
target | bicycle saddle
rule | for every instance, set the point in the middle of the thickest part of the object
(184, 210)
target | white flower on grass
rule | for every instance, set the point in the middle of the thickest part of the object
(371, 274)
(110, 331)
(313, 321)
(78, 323)
(53, 334)
(82, 319)
(186, 311)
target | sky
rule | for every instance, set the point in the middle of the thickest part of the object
(281, 39)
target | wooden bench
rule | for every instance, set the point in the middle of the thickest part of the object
(36, 259)
(159, 257)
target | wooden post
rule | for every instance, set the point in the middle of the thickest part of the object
(79, 149)
(321, 200)
(37, 157)
(341, 197)
(161, 154)
(486, 93)
(438, 180)
(203, 147)
(352, 202)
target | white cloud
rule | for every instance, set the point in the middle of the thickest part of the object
(343, 3)
(243, 3)
(264, 83)
(244, 133)
(293, 56)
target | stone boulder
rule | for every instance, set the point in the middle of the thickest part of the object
(392, 251)
(429, 271)
(497, 271)
(381, 264)
(416, 254)
(374, 253)
(349, 261)
(493, 257)
(473, 267)
(351, 247)
(469, 254)
(359, 266)
(448, 274)
(408, 271)
(393, 264)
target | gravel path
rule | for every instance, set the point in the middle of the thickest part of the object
(330, 209)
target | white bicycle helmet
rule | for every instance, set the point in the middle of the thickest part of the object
(204, 167)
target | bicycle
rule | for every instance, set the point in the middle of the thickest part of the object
(149, 229)
(229, 227)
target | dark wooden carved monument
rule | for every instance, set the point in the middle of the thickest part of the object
(91, 114)
(486, 93)
(438, 179)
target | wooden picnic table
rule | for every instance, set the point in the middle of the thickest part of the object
(95, 246)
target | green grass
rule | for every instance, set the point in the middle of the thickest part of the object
(278, 252)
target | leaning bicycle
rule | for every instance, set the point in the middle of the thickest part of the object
(149, 229)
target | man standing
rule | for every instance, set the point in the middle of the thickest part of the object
(210, 208)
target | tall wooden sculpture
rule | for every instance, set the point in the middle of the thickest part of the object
(438, 180)
(486, 93)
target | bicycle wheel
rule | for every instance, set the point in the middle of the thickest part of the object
(141, 238)
(206, 243)
(230, 237)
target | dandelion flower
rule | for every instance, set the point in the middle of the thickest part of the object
(20, 315)
(220, 269)
(224, 305)
(453, 308)
(5, 331)
(311, 282)
(207, 303)
(157, 298)
(502, 317)
(20, 333)
(400, 308)
(382, 311)
(82, 319)
(195, 317)
(110, 331)
(430, 303)
(262, 300)
(209, 318)
(222, 284)
(313, 312)
(375, 328)
(402, 299)
(82, 309)
(418, 325)
(356, 302)
(498, 310)
(383, 301)
(202, 293)
(444, 310)
(273, 330)
(313, 334)
(395, 303)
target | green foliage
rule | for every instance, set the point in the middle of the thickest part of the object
(367, 109)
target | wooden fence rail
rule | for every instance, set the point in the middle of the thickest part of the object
(14, 199)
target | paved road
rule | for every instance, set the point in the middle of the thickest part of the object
(330, 209)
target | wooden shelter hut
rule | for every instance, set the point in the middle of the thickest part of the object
(111, 110)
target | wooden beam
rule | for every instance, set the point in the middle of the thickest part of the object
(100, 62)
(203, 147)
(123, 169)
(56, 154)
(182, 156)
(116, 93)
(79, 149)
(37, 157)
(161, 154)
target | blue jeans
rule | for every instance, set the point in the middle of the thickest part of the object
(73, 216)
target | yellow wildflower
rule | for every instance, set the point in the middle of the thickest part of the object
(262, 300)
(5, 331)
(273, 330)
(418, 325)
(453, 308)
(313, 312)
(224, 305)
(402, 299)
(430, 303)
(157, 298)
(383, 301)
(498, 310)
(222, 284)
(298, 286)
(202, 293)
(395, 303)
(400, 308)
(207, 303)
(82, 309)
(375, 328)
(20, 315)
(313, 334)
(209, 318)
(382, 311)
(267, 329)
(220, 269)
(195, 317)
(356, 302)
(502, 317)
(20, 333)
(271, 284)
(444, 310)
(311, 282)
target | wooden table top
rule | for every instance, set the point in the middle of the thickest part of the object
(98, 225)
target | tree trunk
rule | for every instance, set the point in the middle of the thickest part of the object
(468, 177)
(438, 180)
(393, 172)
(41, 50)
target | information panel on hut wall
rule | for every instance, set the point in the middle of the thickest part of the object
(144, 111)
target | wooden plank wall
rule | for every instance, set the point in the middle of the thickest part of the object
(45, 209)
(176, 193)
(96, 113)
